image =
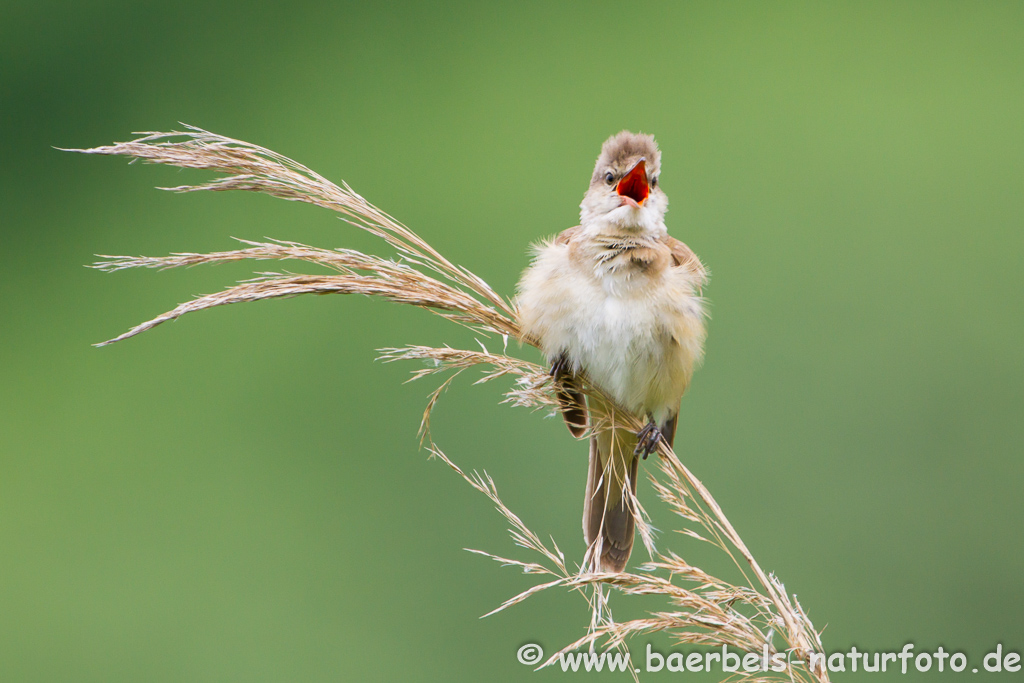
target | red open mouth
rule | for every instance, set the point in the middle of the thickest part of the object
(634, 185)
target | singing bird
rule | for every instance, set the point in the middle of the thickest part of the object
(615, 299)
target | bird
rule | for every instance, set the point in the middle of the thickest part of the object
(617, 302)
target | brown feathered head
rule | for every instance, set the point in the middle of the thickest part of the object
(624, 188)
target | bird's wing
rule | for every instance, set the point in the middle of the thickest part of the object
(668, 430)
(683, 257)
(571, 401)
(570, 397)
(566, 236)
(573, 405)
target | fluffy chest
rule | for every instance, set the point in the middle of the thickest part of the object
(639, 339)
(622, 314)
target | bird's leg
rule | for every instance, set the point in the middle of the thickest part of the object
(647, 439)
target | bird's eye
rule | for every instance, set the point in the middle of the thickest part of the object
(654, 182)
(609, 178)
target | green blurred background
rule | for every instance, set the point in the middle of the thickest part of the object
(239, 496)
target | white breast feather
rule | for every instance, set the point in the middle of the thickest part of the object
(639, 344)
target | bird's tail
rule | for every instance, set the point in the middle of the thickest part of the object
(609, 509)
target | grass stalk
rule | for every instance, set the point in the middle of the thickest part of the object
(700, 608)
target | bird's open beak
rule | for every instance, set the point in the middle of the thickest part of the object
(634, 185)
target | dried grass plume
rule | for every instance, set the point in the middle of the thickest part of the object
(750, 615)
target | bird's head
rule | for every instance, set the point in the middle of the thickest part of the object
(624, 190)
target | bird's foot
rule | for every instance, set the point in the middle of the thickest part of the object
(560, 367)
(647, 439)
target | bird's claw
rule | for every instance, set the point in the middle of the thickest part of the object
(647, 439)
(560, 366)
